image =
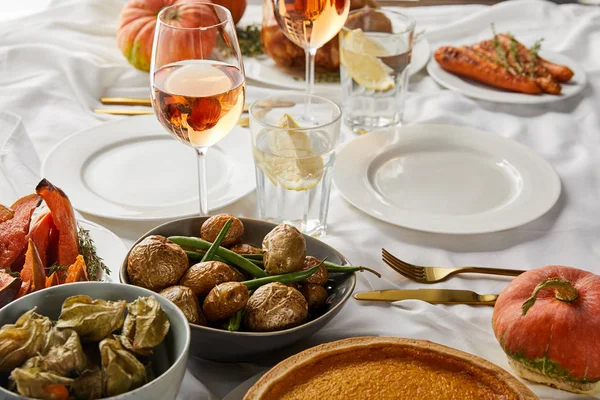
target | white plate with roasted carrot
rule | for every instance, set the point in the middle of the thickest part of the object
(42, 244)
(504, 70)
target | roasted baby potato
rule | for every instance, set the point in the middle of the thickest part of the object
(318, 278)
(284, 250)
(204, 276)
(212, 226)
(156, 263)
(184, 298)
(315, 295)
(274, 307)
(245, 249)
(224, 300)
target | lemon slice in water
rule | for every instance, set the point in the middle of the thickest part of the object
(293, 163)
(358, 55)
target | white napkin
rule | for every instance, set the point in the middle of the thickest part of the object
(19, 162)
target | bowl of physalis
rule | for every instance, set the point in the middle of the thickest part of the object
(92, 340)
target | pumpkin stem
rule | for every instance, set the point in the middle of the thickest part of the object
(565, 291)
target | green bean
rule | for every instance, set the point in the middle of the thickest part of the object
(210, 253)
(257, 262)
(235, 321)
(226, 254)
(253, 256)
(291, 277)
(331, 267)
(196, 256)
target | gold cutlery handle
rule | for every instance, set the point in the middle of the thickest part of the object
(125, 101)
(122, 112)
(491, 271)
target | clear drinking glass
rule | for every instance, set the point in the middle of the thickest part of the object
(294, 160)
(375, 52)
(197, 80)
(310, 24)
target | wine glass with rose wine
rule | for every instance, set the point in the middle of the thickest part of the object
(310, 24)
(197, 78)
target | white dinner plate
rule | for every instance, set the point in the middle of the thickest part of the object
(264, 70)
(239, 392)
(446, 179)
(481, 91)
(132, 169)
(109, 247)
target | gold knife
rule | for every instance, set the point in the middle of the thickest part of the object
(433, 296)
(244, 122)
(125, 101)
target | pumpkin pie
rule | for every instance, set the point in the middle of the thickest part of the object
(387, 368)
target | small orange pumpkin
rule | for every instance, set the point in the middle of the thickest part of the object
(236, 7)
(548, 324)
(135, 34)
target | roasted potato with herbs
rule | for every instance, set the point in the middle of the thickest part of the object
(315, 295)
(318, 278)
(284, 250)
(274, 307)
(156, 263)
(204, 276)
(245, 249)
(211, 227)
(224, 300)
(184, 298)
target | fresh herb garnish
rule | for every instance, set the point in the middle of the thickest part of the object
(57, 268)
(501, 55)
(249, 39)
(10, 272)
(87, 249)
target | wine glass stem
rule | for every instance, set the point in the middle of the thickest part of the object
(202, 185)
(310, 69)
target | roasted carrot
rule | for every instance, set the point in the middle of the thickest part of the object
(465, 62)
(77, 272)
(40, 234)
(13, 232)
(52, 280)
(64, 220)
(33, 270)
(5, 213)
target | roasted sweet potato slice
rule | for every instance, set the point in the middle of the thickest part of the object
(13, 232)
(5, 213)
(33, 270)
(52, 280)
(9, 287)
(24, 289)
(40, 234)
(77, 272)
(64, 220)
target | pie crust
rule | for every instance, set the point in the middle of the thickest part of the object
(381, 368)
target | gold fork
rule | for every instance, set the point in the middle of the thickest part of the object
(423, 274)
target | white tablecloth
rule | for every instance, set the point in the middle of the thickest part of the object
(55, 64)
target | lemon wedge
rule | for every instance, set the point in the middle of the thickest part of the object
(293, 163)
(358, 55)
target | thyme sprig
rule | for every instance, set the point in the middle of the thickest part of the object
(87, 249)
(10, 272)
(57, 268)
(249, 39)
(512, 61)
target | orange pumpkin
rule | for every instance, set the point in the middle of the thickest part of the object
(548, 324)
(135, 34)
(237, 8)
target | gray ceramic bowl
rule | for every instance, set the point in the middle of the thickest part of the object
(220, 345)
(169, 359)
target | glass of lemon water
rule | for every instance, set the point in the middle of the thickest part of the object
(375, 51)
(294, 158)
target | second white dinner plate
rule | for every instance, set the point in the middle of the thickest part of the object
(478, 90)
(446, 179)
(264, 70)
(109, 247)
(132, 169)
